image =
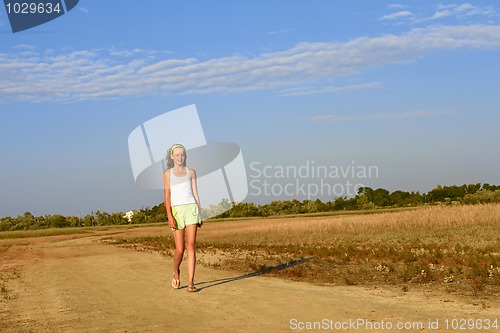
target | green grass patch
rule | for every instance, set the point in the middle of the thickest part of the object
(69, 231)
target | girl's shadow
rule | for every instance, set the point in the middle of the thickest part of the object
(279, 267)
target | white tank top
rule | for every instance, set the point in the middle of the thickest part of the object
(181, 190)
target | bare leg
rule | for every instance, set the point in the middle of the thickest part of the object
(191, 251)
(179, 251)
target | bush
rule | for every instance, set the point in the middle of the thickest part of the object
(482, 196)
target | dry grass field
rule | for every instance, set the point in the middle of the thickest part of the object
(456, 248)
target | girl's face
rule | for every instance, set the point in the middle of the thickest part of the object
(178, 156)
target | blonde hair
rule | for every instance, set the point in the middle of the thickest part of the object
(170, 161)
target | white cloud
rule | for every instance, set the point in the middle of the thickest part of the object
(440, 14)
(460, 11)
(25, 46)
(378, 116)
(468, 9)
(396, 15)
(96, 74)
(464, 7)
(328, 89)
(456, 11)
(443, 6)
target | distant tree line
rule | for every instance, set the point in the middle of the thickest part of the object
(28, 221)
(367, 198)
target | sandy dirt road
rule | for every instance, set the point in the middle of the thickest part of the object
(79, 284)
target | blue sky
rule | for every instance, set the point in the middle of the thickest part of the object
(410, 87)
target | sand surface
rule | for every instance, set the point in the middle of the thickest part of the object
(79, 284)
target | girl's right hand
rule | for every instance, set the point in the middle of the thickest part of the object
(171, 222)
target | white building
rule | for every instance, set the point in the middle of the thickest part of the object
(128, 215)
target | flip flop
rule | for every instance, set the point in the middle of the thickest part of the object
(176, 284)
(192, 289)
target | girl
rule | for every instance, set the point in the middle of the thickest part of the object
(183, 211)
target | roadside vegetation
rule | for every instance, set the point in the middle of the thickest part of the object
(454, 247)
(367, 199)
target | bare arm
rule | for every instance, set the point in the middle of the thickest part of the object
(166, 194)
(194, 186)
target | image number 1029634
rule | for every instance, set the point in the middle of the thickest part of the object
(26, 14)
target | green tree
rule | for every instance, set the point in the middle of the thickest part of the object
(74, 221)
(24, 222)
(363, 202)
(342, 203)
(275, 207)
(472, 188)
(487, 186)
(400, 198)
(56, 221)
(310, 206)
(368, 191)
(140, 217)
(7, 223)
(89, 220)
(381, 198)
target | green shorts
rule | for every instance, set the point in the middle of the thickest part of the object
(186, 215)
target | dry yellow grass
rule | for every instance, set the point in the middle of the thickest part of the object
(457, 247)
(471, 225)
